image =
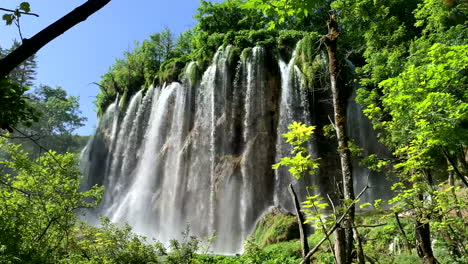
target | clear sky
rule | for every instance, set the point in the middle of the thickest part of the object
(81, 55)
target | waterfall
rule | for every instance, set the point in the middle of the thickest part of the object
(199, 153)
(294, 106)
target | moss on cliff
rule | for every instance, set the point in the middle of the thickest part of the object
(275, 226)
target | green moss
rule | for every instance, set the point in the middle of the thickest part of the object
(289, 248)
(274, 227)
(245, 54)
(171, 69)
(123, 101)
(234, 55)
(192, 73)
(310, 60)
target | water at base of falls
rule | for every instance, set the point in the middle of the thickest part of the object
(200, 154)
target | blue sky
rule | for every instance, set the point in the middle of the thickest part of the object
(81, 55)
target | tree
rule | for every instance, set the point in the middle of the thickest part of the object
(38, 203)
(23, 74)
(227, 16)
(59, 117)
(35, 43)
(300, 9)
(428, 112)
(14, 107)
(28, 48)
(414, 79)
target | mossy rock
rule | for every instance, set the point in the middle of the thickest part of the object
(275, 226)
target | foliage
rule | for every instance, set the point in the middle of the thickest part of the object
(285, 12)
(415, 95)
(111, 243)
(301, 162)
(58, 117)
(227, 16)
(24, 7)
(14, 108)
(379, 31)
(38, 203)
(24, 74)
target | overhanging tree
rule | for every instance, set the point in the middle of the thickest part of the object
(13, 104)
(30, 46)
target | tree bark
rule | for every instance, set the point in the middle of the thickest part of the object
(339, 107)
(300, 221)
(34, 44)
(359, 249)
(340, 245)
(422, 234)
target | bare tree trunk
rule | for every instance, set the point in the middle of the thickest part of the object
(30, 46)
(339, 107)
(300, 221)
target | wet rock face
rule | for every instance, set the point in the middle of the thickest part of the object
(199, 152)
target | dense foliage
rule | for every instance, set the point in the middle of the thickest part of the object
(411, 66)
(38, 203)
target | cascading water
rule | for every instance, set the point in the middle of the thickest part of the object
(294, 106)
(200, 153)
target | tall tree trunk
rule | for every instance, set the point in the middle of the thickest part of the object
(340, 245)
(30, 46)
(422, 234)
(339, 107)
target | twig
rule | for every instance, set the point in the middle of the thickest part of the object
(17, 23)
(370, 225)
(332, 204)
(19, 11)
(331, 122)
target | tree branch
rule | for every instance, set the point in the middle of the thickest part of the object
(454, 165)
(19, 11)
(332, 229)
(34, 44)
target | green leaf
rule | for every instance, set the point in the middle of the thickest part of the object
(25, 7)
(8, 18)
